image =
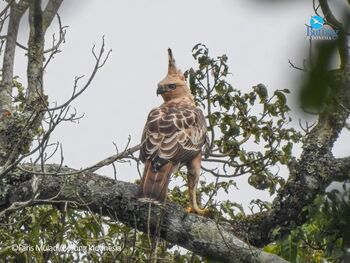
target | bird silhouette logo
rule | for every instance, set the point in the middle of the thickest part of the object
(316, 22)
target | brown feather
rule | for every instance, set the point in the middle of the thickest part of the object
(154, 184)
(174, 137)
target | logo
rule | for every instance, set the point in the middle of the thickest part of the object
(316, 22)
(318, 30)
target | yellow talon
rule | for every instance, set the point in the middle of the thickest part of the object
(198, 211)
(189, 209)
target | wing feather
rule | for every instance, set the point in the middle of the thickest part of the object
(173, 132)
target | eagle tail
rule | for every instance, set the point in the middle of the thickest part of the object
(155, 183)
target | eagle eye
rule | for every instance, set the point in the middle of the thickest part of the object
(172, 86)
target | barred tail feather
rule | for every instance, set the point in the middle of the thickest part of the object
(154, 184)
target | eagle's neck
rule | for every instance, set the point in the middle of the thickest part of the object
(183, 100)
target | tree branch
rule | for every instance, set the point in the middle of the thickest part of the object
(343, 45)
(105, 162)
(50, 12)
(118, 200)
(16, 133)
(16, 13)
(36, 44)
(7, 128)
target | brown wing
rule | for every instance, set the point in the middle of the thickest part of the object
(173, 133)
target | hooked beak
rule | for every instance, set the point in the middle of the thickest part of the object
(161, 90)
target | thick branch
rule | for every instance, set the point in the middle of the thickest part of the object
(16, 13)
(118, 200)
(50, 12)
(35, 56)
(17, 132)
(7, 130)
(343, 45)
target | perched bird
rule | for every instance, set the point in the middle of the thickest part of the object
(175, 134)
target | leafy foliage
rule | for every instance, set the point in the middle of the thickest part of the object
(237, 120)
(325, 238)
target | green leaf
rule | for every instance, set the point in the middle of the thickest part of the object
(261, 90)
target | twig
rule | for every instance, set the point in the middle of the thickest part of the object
(90, 169)
(100, 61)
(296, 67)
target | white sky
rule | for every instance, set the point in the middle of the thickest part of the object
(258, 38)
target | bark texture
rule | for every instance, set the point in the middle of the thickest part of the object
(118, 200)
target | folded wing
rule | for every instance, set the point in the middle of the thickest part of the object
(173, 133)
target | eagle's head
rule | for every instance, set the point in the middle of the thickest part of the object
(174, 85)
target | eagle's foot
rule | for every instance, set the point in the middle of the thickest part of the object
(198, 211)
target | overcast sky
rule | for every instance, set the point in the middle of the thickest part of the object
(258, 38)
